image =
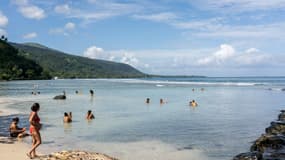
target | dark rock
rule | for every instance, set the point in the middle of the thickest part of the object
(269, 146)
(268, 142)
(249, 156)
(281, 116)
(274, 155)
(60, 96)
(277, 127)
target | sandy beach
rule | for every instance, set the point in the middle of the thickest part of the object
(13, 150)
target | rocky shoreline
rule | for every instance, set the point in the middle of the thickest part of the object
(270, 145)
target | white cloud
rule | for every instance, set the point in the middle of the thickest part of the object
(100, 10)
(159, 17)
(32, 12)
(69, 26)
(94, 52)
(30, 35)
(66, 30)
(226, 52)
(218, 29)
(222, 61)
(63, 9)
(200, 25)
(121, 56)
(3, 20)
(243, 5)
(129, 59)
(252, 56)
(251, 50)
(28, 10)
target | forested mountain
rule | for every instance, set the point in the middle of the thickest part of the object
(16, 67)
(62, 65)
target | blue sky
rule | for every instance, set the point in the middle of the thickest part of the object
(170, 37)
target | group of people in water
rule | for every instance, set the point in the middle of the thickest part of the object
(67, 117)
(35, 126)
(192, 103)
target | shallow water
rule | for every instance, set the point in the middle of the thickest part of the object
(232, 113)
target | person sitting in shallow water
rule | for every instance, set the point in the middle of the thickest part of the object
(90, 115)
(193, 103)
(15, 131)
(67, 117)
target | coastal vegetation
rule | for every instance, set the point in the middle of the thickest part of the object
(16, 67)
(62, 65)
(35, 61)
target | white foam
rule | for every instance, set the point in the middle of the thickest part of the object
(161, 82)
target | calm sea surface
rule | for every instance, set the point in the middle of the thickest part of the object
(232, 113)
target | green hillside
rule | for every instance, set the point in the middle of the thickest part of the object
(63, 65)
(15, 67)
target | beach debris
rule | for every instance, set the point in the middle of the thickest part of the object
(76, 155)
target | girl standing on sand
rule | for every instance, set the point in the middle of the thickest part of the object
(35, 127)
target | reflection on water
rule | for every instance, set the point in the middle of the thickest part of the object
(67, 127)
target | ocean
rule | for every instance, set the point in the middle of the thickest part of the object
(232, 112)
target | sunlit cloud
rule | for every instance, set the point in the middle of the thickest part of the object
(253, 56)
(121, 56)
(63, 9)
(223, 54)
(66, 30)
(3, 20)
(158, 17)
(29, 10)
(95, 52)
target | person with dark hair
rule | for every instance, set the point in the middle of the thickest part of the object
(35, 127)
(161, 101)
(15, 131)
(193, 103)
(67, 117)
(91, 92)
(147, 101)
(90, 115)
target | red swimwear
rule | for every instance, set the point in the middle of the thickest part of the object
(36, 120)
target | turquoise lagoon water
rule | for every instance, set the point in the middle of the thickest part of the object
(232, 113)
